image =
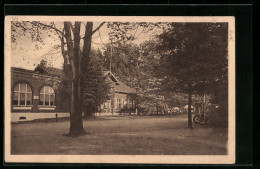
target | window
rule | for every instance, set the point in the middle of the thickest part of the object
(22, 95)
(119, 103)
(47, 96)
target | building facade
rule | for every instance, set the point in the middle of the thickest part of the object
(35, 94)
(121, 97)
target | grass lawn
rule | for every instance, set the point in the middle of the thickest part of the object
(128, 135)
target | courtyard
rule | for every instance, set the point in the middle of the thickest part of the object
(119, 135)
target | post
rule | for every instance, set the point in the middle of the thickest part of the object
(189, 105)
(203, 104)
(56, 117)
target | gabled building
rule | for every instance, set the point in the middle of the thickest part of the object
(35, 94)
(121, 96)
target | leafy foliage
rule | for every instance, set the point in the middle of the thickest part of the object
(96, 87)
(123, 62)
(128, 31)
(194, 59)
(195, 53)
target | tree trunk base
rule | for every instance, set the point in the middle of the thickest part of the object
(76, 133)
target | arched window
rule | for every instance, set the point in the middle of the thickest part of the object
(47, 96)
(22, 95)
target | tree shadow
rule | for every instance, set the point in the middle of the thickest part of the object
(83, 134)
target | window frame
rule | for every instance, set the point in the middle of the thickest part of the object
(48, 94)
(119, 104)
(19, 92)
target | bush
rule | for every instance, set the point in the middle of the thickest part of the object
(125, 110)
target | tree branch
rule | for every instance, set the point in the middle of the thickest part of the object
(49, 26)
(69, 46)
(99, 26)
(64, 54)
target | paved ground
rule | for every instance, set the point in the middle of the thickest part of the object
(130, 135)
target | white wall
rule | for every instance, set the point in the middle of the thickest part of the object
(105, 114)
(33, 116)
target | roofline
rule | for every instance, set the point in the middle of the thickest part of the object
(31, 72)
(112, 75)
(125, 92)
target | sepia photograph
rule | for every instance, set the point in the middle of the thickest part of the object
(92, 89)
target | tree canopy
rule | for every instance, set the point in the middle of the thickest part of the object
(193, 58)
(194, 53)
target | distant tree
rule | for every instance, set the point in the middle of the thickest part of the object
(193, 58)
(96, 87)
(123, 61)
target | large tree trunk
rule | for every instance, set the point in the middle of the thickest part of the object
(81, 63)
(189, 105)
(77, 64)
(76, 124)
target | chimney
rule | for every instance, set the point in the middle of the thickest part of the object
(43, 63)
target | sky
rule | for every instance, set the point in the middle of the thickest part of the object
(28, 54)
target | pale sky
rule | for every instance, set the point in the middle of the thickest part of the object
(28, 54)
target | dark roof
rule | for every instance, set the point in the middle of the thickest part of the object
(122, 88)
(111, 75)
(119, 86)
(21, 70)
(48, 70)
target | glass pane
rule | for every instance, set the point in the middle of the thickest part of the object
(52, 100)
(41, 99)
(22, 98)
(16, 88)
(29, 99)
(15, 102)
(46, 89)
(15, 96)
(29, 89)
(47, 100)
(51, 90)
(23, 87)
